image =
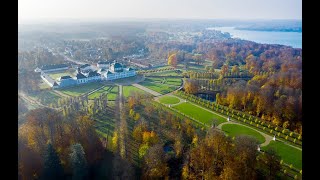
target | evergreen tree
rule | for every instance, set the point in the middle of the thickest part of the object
(79, 163)
(52, 165)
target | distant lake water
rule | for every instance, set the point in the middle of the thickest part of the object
(293, 39)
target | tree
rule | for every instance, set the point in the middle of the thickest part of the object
(79, 162)
(52, 166)
(270, 163)
(172, 60)
(235, 70)
(155, 165)
(190, 86)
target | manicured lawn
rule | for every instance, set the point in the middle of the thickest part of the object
(165, 80)
(113, 93)
(235, 130)
(199, 113)
(81, 89)
(160, 88)
(46, 97)
(97, 93)
(169, 100)
(128, 89)
(289, 154)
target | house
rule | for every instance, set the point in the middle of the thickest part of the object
(103, 64)
(53, 67)
(85, 67)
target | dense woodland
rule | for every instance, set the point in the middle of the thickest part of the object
(54, 146)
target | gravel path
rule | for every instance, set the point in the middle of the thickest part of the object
(146, 89)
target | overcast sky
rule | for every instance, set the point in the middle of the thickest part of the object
(199, 9)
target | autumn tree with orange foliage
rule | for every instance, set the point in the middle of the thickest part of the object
(190, 86)
(172, 60)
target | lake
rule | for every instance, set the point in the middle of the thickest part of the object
(293, 39)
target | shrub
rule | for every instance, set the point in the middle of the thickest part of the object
(250, 122)
(276, 129)
(264, 128)
(283, 131)
(269, 126)
(294, 141)
(257, 125)
(281, 162)
(291, 134)
(299, 137)
(301, 171)
(290, 166)
(287, 137)
(285, 171)
(271, 131)
(278, 134)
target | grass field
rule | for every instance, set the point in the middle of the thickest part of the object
(235, 130)
(46, 97)
(160, 88)
(165, 80)
(199, 113)
(113, 93)
(81, 89)
(128, 89)
(97, 93)
(289, 154)
(169, 100)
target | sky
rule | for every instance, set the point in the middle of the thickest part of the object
(168, 9)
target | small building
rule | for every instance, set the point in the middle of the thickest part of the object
(65, 81)
(53, 67)
(103, 64)
(85, 67)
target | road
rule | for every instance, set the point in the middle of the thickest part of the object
(146, 89)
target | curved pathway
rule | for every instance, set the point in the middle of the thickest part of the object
(267, 137)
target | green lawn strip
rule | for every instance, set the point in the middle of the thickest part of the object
(97, 93)
(199, 113)
(169, 100)
(234, 116)
(236, 130)
(80, 89)
(165, 73)
(290, 155)
(46, 97)
(126, 90)
(160, 88)
(113, 93)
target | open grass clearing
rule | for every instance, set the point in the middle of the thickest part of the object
(169, 100)
(199, 113)
(56, 75)
(97, 93)
(80, 89)
(160, 88)
(46, 97)
(290, 155)
(126, 90)
(236, 130)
